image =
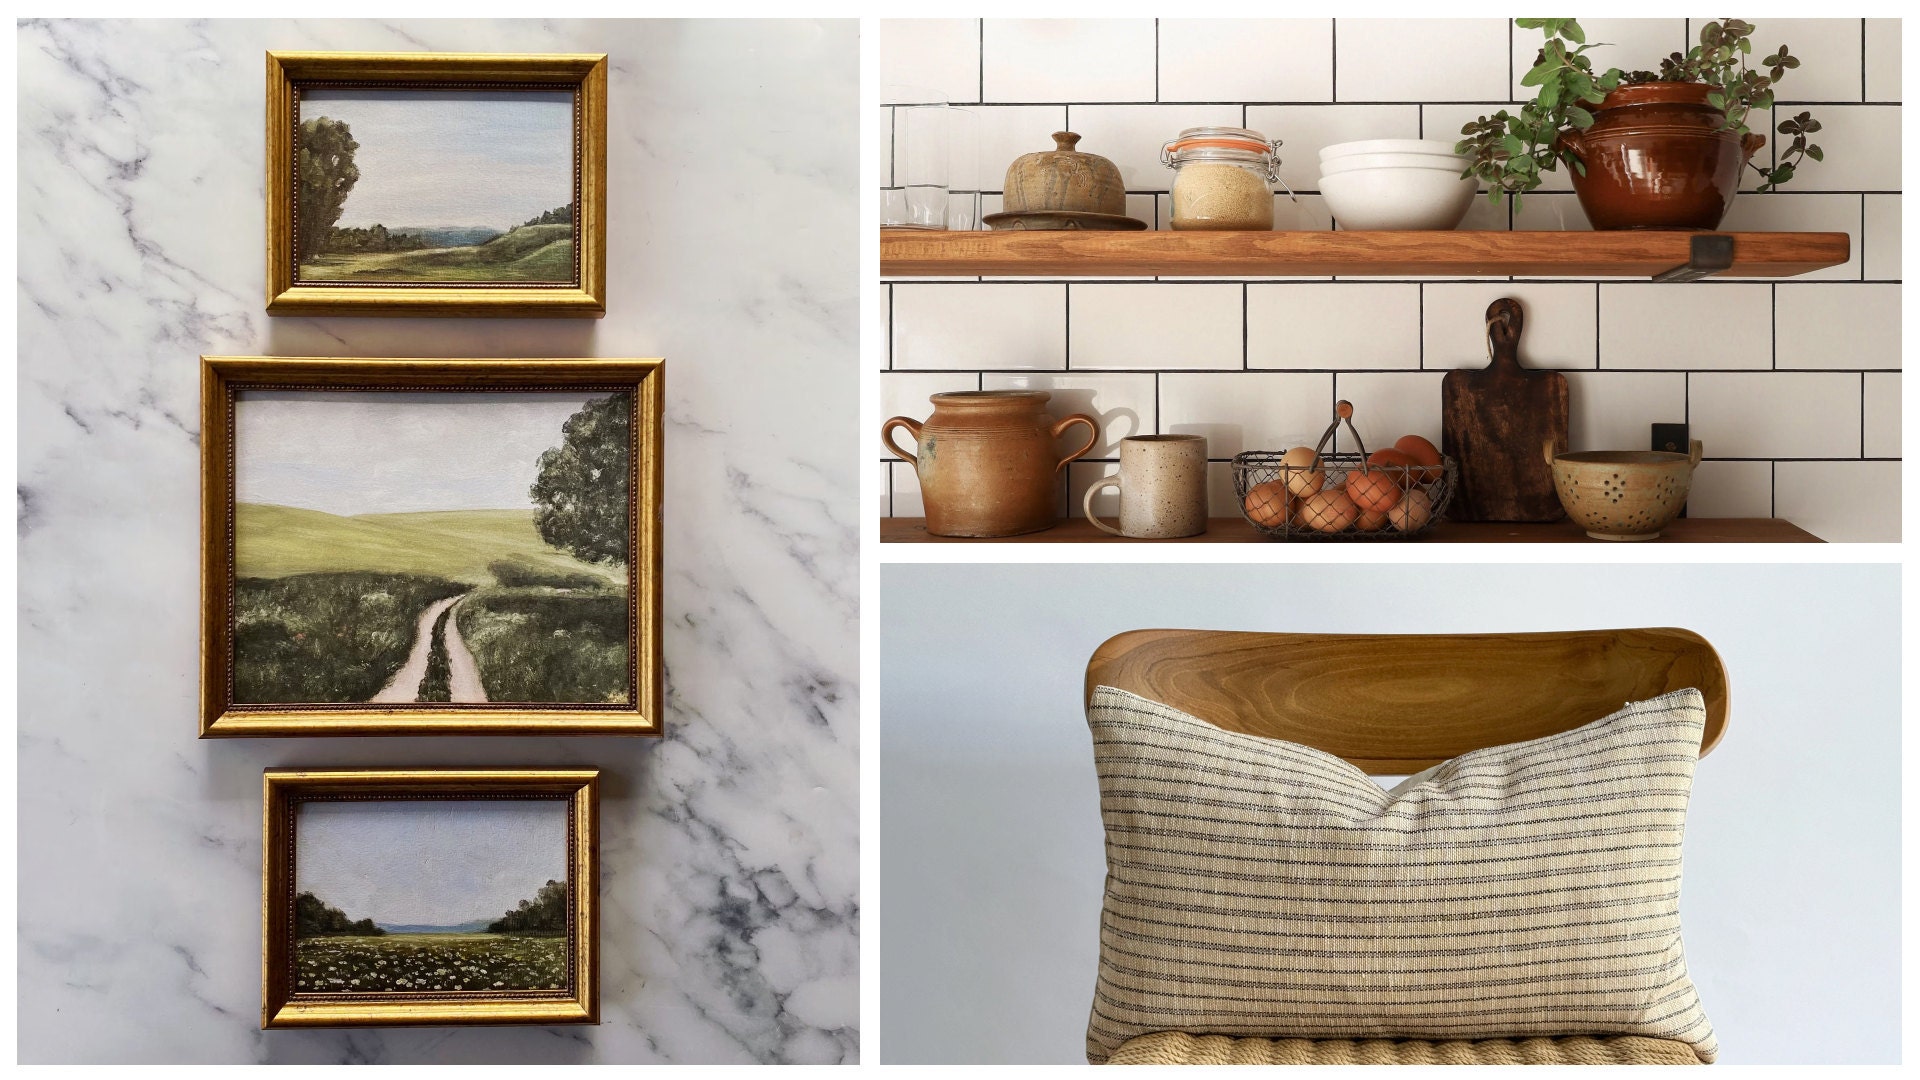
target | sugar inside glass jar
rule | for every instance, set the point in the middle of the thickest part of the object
(1223, 178)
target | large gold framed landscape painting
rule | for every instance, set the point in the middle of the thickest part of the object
(436, 184)
(405, 547)
(429, 896)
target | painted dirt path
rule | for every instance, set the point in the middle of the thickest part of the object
(463, 675)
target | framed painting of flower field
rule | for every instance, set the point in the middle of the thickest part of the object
(429, 896)
(396, 547)
(436, 184)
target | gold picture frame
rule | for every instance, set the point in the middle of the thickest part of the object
(586, 74)
(284, 1005)
(223, 378)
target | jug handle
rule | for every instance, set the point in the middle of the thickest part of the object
(1086, 504)
(1547, 449)
(1752, 143)
(886, 436)
(1694, 452)
(1093, 436)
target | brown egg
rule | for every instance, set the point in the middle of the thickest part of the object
(1371, 520)
(1375, 489)
(1423, 453)
(1412, 513)
(1297, 467)
(1329, 511)
(1267, 505)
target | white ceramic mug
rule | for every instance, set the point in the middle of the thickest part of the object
(1163, 487)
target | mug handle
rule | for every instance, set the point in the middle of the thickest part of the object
(1093, 436)
(886, 436)
(1694, 452)
(1086, 504)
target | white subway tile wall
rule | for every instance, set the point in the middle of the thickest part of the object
(1793, 386)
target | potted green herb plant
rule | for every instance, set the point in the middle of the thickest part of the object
(1646, 150)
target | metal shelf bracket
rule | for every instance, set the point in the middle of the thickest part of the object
(1709, 253)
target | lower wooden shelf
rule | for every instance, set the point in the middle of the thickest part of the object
(898, 530)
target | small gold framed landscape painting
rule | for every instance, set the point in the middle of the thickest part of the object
(416, 547)
(436, 184)
(430, 896)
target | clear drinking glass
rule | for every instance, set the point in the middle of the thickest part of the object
(965, 176)
(915, 196)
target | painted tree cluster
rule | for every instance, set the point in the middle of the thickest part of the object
(559, 215)
(326, 176)
(546, 913)
(372, 238)
(312, 917)
(580, 494)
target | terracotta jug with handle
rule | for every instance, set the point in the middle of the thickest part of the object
(987, 463)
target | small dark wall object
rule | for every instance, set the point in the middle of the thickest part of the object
(1494, 420)
(1671, 439)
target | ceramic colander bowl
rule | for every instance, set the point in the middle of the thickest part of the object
(1623, 494)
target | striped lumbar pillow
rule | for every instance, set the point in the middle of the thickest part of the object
(1263, 888)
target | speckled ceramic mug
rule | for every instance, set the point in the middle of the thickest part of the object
(1163, 487)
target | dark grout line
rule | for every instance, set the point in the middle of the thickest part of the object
(981, 39)
(1246, 362)
(1333, 71)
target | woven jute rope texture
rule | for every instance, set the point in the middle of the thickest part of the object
(1180, 1048)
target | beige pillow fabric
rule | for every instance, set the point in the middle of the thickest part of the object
(1258, 887)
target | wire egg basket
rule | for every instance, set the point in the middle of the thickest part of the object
(1340, 496)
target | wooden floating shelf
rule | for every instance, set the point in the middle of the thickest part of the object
(1645, 255)
(1234, 530)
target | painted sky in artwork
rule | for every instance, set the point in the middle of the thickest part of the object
(429, 862)
(450, 158)
(348, 452)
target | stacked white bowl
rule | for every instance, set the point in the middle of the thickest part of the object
(1395, 184)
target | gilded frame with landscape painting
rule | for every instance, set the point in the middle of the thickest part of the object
(411, 547)
(501, 136)
(537, 964)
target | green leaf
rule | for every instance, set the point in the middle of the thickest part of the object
(1571, 30)
(1529, 24)
(1716, 99)
(1814, 153)
(1580, 117)
(1810, 126)
(1537, 75)
(1513, 146)
(1549, 95)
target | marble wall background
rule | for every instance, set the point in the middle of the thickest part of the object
(730, 859)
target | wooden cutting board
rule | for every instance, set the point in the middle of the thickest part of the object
(1493, 422)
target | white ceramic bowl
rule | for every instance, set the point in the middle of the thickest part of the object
(1398, 198)
(1388, 146)
(1354, 162)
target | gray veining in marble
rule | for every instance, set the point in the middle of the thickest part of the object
(730, 853)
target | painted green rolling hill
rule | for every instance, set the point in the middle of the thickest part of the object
(276, 541)
(528, 253)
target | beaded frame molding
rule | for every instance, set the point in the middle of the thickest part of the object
(223, 378)
(288, 73)
(283, 1006)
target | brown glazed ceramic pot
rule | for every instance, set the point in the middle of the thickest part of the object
(1657, 157)
(1064, 179)
(987, 462)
